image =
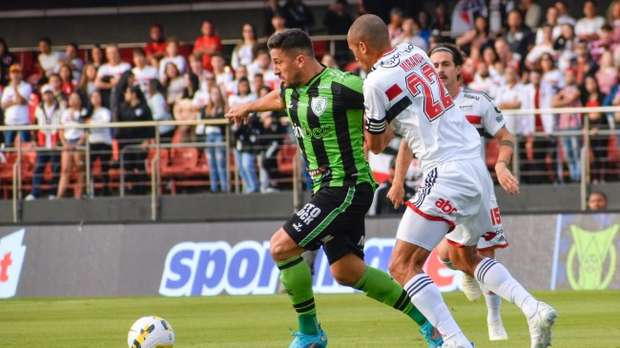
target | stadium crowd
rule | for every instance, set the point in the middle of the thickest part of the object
(523, 56)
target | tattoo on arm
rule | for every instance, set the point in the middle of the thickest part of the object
(506, 143)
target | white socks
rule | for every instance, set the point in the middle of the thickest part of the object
(493, 303)
(427, 298)
(495, 277)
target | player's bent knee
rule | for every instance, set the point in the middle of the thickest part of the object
(283, 247)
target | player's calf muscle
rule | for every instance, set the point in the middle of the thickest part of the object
(407, 261)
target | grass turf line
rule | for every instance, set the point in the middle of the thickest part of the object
(587, 319)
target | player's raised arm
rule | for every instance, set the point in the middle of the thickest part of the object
(396, 194)
(270, 102)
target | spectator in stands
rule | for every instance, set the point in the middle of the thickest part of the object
(597, 200)
(483, 81)
(208, 43)
(100, 140)
(537, 152)
(569, 96)
(440, 22)
(134, 141)
(591, 96)
(159, 110)
(97, 57)
(477, 37)
(583, 65)
(518, 36)
(246, 137)
(546, 46)
(278, 23)
(72, 138)
(604, 43)
(56, 84)
(172, 56)
(272, 134)
(108, 74)
(532, 12)
(563, 15)
(271, 7)
(262, 65)
(223, 75)
(143, 73)
(410, 33)
(87, 80)
(337, 19)
(6, 60)
(214, 108)
(551, 75)
(156, 46)
(552, 20)
(607, 74)
(510, 96)
(75, 62)
(14, 102)
(395, 26)
(174, 84)
(243, 52)
(613, 19)
(67, 84)
(565, 46)
(587, 27)
(505, 54)
(298, 15)
(47, 113)
(48, 61)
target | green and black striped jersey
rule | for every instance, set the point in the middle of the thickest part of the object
(327, 119)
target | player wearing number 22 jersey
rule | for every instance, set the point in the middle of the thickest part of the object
(403, 90)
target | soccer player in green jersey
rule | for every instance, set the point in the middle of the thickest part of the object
(325, 108)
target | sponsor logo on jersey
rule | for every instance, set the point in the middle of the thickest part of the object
(12, 254)
(446, 206)
(211, 268)
(590, 253)
(318, 105)
(391, 62)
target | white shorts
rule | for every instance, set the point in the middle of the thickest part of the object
(456, 198)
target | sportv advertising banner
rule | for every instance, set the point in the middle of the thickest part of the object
(206, 259)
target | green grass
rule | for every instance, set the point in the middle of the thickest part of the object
(587, 319)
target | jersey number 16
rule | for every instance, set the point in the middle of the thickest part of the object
(434, 105)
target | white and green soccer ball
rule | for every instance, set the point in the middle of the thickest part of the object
(150, 332)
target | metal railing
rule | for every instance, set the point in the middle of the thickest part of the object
(155, 179)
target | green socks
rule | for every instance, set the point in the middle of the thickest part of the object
(296, 277)
(380, 286)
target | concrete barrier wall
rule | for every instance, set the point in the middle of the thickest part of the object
(576, 251)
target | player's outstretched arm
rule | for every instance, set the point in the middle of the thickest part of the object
(506, 180)
(270, 102)
(396, 194)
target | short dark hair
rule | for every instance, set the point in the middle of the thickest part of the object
(47, 40)
(600, 193)
(291, 39)
(457, 55)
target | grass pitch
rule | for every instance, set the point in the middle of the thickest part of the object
(586, 319)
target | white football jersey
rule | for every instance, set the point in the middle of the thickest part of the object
(404, 90)
(480, 111)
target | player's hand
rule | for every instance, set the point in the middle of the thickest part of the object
(396, 195)
(508, 182)
(238, 114)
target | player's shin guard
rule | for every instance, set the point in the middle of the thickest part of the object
(427, 298)
(296, 277)
(378, 285)
(495, 277)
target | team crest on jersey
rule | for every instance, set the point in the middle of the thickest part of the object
(318, 105)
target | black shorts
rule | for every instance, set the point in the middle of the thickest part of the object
(334, 218)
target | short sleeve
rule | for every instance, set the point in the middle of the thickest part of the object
(493, 120)
(6, 95)
(375, 104)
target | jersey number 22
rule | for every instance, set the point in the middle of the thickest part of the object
(434, 105)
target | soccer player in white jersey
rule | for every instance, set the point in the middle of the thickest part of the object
(482, 113)
(404, 91)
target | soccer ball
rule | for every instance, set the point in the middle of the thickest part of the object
(150, 332)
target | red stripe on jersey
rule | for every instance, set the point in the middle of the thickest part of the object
(474, 119)
(393, 92)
